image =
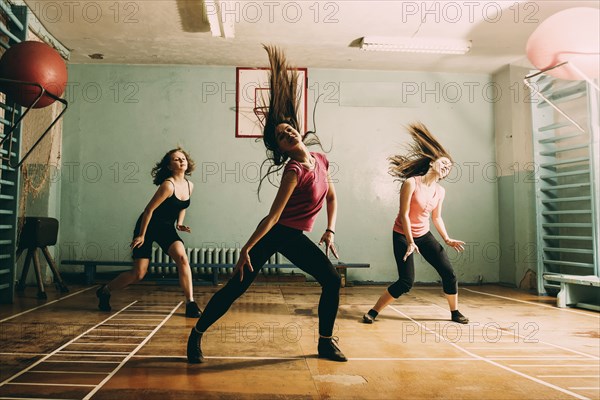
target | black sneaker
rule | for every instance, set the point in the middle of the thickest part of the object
(194, 352)
(459, 318)
(103, 299)
(368, 319)
(192, 310)
(328, 349)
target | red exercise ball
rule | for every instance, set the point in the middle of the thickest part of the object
(34, 62)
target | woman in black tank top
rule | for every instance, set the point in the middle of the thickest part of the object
(158, 223)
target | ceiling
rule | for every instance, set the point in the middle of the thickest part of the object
(316, 34)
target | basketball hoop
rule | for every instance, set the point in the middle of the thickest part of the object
(261, 104)
(261, 114)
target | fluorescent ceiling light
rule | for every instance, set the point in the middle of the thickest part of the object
(221, 23)
(415, 45)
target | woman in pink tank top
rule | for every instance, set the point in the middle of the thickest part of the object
(421, 197)
(305, 187)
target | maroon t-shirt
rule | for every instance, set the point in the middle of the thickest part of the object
(307, 198)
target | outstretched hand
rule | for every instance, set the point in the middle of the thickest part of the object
(184, 228)
(457, 245)
(327, 238)
(242, 262)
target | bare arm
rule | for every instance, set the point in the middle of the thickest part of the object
(406, 193)
(328, 236)
(180, 226)
(288, 184)
(436, 216)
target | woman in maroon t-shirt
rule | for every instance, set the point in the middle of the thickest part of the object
(305, 187)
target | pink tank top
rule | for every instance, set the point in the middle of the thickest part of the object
(421, 206)
(309, 195)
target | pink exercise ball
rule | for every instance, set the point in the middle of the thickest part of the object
(571, 35)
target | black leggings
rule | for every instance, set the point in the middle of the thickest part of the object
(302, 252)
(435, 255)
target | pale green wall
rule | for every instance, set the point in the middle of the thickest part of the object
(514, 154)
(109, 133)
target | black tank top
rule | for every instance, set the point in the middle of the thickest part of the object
(168, 210)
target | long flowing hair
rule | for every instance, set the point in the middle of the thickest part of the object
(161, 170)
(284, 106)
(424, 149)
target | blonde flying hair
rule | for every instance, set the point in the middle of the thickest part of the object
(424, 149)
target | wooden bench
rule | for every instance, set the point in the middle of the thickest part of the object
(577, 290)
(90, 267)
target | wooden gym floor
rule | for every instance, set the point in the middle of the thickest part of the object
(517, 346)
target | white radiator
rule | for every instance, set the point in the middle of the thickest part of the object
(208, 255)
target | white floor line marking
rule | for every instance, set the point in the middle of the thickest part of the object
(130, 330)
(144, 313)
(585, 388)
(48, 384)
(568, 376)
(590, 356)
(65, 357)
(419, 306)
(534, 303)
(542, 342)
(93, 353)
(539, 358)
(497, 357)
(89, 395)
(112, 336)
(105, 344)
(554, 365)
(412, 359)
(225, 357)
(137, 319)
(116, 358)
(477, 341)
(60, 348)
(32, 398)
(541, 348)
(45, 305)
(67, 372)
(493, 362)
(161, 313)
(79, 361)
(256, 358)
(304, 358)
(150, 327)
(508, 342)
